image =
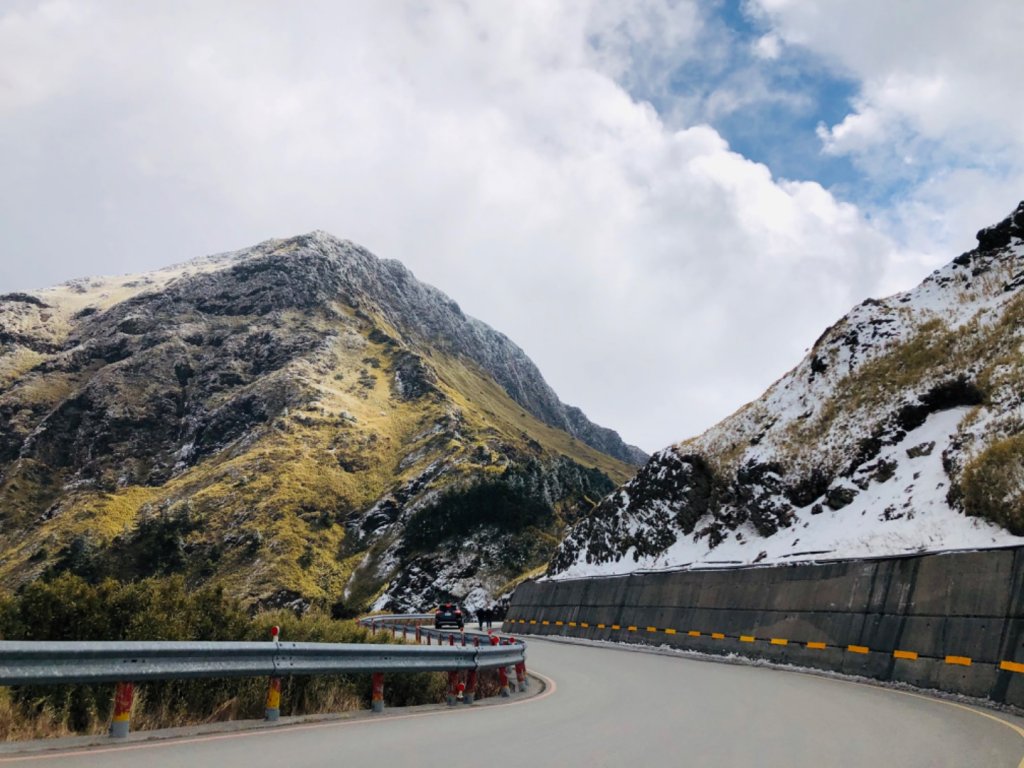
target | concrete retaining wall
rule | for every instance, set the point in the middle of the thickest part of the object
(962, 614)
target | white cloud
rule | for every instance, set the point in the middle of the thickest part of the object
(39, 51)
(939, 100)
(658, 279)
(768, 47)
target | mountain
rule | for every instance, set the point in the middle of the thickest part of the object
(298, 422)
(901, 431)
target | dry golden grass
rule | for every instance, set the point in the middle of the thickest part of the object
(297, 478)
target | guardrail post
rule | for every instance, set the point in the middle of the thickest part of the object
(123, 695)
(451, 639)
(503, 679)
(273, 706)
(453, 688)
(512, 669)
(405, 631)
(394, 632)
(419, 634)
(470, 693)
(520, 670)
(378, 691)
(502, 672)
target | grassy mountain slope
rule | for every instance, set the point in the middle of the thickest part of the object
(268, 421)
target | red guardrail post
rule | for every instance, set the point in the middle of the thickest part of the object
(520, 670)
(502, 672)
(273, 707)
(503, 679)
(123, 695)
(510, 670)
(405, 631)
(451, 639)
(471, 680)
(453, 688)
(394, 632)
(419, 634)
(378, 691)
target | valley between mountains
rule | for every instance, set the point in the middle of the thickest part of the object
(306, 425)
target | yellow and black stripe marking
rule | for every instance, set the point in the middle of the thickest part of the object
(863, 650)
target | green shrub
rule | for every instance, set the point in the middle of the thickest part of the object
(68, 607)
(460, 512)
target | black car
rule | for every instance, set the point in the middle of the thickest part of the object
(449, 615)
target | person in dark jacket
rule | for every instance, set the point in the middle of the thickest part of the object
(481, 617)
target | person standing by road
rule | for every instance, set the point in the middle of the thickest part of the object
(481, 617)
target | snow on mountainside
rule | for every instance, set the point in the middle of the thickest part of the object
(901, 431)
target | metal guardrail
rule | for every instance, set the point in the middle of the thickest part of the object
(42, 663)
(399, 618)
(129, 662)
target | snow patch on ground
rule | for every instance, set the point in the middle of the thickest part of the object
(904, 514)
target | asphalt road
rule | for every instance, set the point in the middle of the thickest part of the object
(613, 707)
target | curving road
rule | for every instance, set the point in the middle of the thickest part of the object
(613, 707)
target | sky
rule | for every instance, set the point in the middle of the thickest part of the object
(663, 202)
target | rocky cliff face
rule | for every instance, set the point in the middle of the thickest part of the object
(901, 431)
(272, 419)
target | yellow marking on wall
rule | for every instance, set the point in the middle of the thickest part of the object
(533, 621)
(717, 636)
(858, 649)
(779, 641)
(670, 631)
(652, 629)
(817, 646)
(747, 638)
(911, 655)
(963, 661)
(572, 623)
(545, 622)
(1011, 666)
(557, 623)
(600, 626)
(631, 629)
(616, 626)
(584, 625)
(693, 633)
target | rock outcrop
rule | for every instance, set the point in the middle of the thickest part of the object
(270, 420)
(899, 432)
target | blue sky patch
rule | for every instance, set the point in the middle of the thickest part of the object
(767, 109)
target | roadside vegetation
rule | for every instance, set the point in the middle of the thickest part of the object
(69, 608)
(993, 484)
